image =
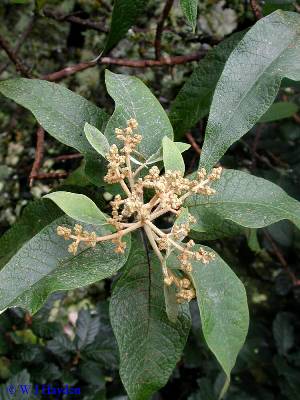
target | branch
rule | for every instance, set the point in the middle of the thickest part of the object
(20, 65)
(39, 154)
(21, 41)
(75, 20)
(193, 142)
(256, 9)
(160, 28)
(55, 76)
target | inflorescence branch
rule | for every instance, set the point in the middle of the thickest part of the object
(130, 212)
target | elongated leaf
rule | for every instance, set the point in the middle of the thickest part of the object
(246, 200)
(134, 100)
(60, 111)
(96, 139)
(78, 207)
(250, 81)
(223, 309)
(43, 265)
(158, 156)
(279, 110)
(172, 157)
(189, 8)
(125, 14)
(194, 99)
(150, 345)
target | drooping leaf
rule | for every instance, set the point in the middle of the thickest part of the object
(134, 100)
(78, 207)
(125, 14)
(278, 111)
(194, 99)
(245, 200)
(251, 78)
(150, 345)
(96, 139)
(172, 157)
(35, 217)
(189, 8)
(61, 112)
(43, 265)
(223, 309)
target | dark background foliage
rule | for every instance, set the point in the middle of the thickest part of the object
(70, 340)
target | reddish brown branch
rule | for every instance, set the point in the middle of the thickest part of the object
(75, 20)
(13, 56)
(281, 259)
(63, 73)
(39, 154)
(256, 9)
(160, 28)
(193, 142)
(50, 175)
(21, 41)
(65, 157)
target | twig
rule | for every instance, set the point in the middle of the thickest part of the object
(193, 142)
(65, 157)
(256, 9)
(160, 28)
(281, 259)
(63, 73)
(21, 41)
(255, 146)
(20, 65)
(39, 154)
(50, 175)
(75, 20)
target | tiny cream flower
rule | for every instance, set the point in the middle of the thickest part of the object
(130, 211)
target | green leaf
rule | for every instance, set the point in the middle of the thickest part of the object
(158, 155)
(189, 8)
(96, 139)
(87, 328)
(172, 157)
(251, 78)
(150, 345)
(134, 100)
(245, 200)
(223, 309)
(172, 306)
(61, 112)
(125, 14)
(35, 217)
(278, 111)
(43, 265)
(78, 207)
(194, 99)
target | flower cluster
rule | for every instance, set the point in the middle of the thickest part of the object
(77, 234)
(130, 212)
